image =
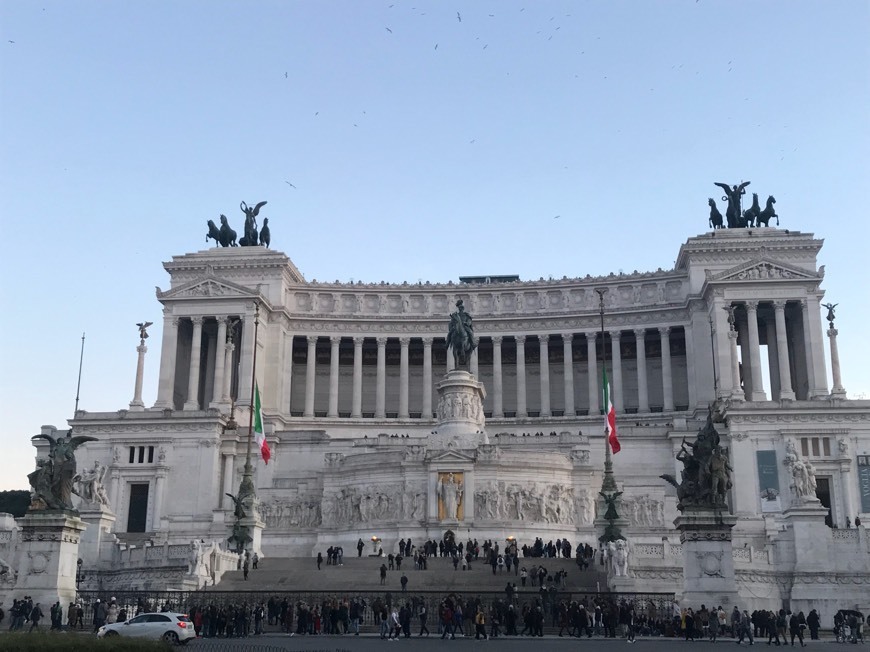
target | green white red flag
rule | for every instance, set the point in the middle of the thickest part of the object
(262, 444)
(610, 417)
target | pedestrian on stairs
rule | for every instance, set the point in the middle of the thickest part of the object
(404, 582)
(255, 560)
(245, 568)
(319, 559)
(383, 574)
(359, 547)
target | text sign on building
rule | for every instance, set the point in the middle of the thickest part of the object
(768, 481)
(864, 482)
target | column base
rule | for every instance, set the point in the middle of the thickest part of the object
(838, 393)
(137, 406)
(786, 396)
(191, 406)
(758, 396)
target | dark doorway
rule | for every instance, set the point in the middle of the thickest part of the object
(823, 493)
(138, 512)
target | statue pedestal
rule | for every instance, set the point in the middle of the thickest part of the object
(809, 535)
(621, 584)
(708, 562)
(460, 411)
(101, 523)
(48, 556)
(255, 527)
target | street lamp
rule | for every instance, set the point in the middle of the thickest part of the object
(80, 574)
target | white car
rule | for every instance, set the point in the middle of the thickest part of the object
(171, 627)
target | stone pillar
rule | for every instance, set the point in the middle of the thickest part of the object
(229, 348)
(846, 479)
(356, 410)
(819, 382)
(708, 561)
(246, 362)
(228, 486)
(310, 375)
(220, 361)
(450, 362)
(642, 389)
(616, 356)
(334, 342)
(737, 391)
(544, 349)
(497, 381)
(785, 390)
(404, 343)
(592, 372)
(159, 491)
(287, 387)
(743, 336)
(667, 376)
(115, 487)
(568, 373)
(136, 405)
(772, 358)
(521, 375)
(192, 402)
(427, 378)
(473, 363)
(381, 389)
(808, 348)
(166, 379)
(837, 390)
(754, 352)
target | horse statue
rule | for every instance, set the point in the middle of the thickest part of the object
(227, 235)
(460, 336)
(768, 212)
(750, 215)
(716, 221)
(251, 237)
(265, 234)
(213, 233)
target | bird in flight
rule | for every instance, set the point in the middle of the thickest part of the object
(285, 75)
(557, 217)
(436, 46)
(458, 17)
(389, 30)
(13, 42)
(290, 184)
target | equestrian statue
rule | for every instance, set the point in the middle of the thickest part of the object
(460, 336)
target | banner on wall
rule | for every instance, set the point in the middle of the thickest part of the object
(768, 481)
(864, 482)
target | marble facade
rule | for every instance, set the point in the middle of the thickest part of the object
(365, 415)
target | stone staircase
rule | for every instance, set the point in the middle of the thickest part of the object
(362, 574)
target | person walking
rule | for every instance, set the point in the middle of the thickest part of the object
(35, 616)
(404, 582)
(422, 615)
(383, 574)
(359, 548)
(319, 559)
(480, 624)
(255, 560)
(814, 622)
(744, 628)
(245, 568)
(794, 628)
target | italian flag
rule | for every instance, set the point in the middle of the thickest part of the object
(258, 427)
(610, 417)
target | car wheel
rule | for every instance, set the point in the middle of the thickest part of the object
(171, 638)
(110, 633)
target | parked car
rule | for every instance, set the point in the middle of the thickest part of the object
(171, 627)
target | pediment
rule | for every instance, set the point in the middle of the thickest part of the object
(451, 455)
(762, 269)
(207, 287)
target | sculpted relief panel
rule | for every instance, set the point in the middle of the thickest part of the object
(643, 510)
(353, 505)
(298, 512)
(537, 503)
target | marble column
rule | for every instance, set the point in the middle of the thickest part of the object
(229, 349)
(521, 375)
(592, 372)
(772, 357)
(473, 363)
(404, 343)
(192, 402)
(819, 382)
(846, 478)
(114, 489)
(754, 352)
(616, 355)
(427, 378)
(786, 393)
(568, 373)
(334, 343)
(246, 362)
(544, 352)
(220, 361)
(166, 379)
(310, 375)
(381, 388)
(356, 409)
(228, 487)
(497, 380)
(642, 386)
(136, 405)
(736, 391)
(667, 375)
(837, 390)
(743, 336)
(159, 491)
(450, 362)
(808, 348)
(287, 387)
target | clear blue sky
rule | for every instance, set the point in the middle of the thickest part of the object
(125, 126)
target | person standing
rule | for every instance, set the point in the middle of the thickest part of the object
(794, 628)
(814, 622)
(245, 568)
(255, 560)
(319, 559)
(480, 624)
(35, 616)
(404, 582)
(422, 615)
(359, 547)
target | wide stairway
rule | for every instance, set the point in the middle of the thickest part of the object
(363, 574)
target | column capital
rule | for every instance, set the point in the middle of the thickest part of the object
(335, 339)
(833, 332)
(497, 340)
(382, 341)
(427, 341)
(174, 321)
(779, 304)
(404, 341)
(197, 320)
(615, 334)
(567, 337)
(664, 330)
(591, 337)
(358, 340)
(802, 303)
(544, 338)
(521, 339)
(640, 333)
(751, 306)
(311, 339)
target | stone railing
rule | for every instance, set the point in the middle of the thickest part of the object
(674, 552)
(845, 535)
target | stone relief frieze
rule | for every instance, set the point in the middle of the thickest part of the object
(644, 511)
(537, 503)
(299, 512)
(460, 406)
(354, 505)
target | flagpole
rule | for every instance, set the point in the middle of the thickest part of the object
(79, 383)
(609, 482)
(247, 485)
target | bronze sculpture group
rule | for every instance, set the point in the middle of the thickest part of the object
(460, 336)
(52, 481)
(252, 236)
(706, 475)
(735, 217)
